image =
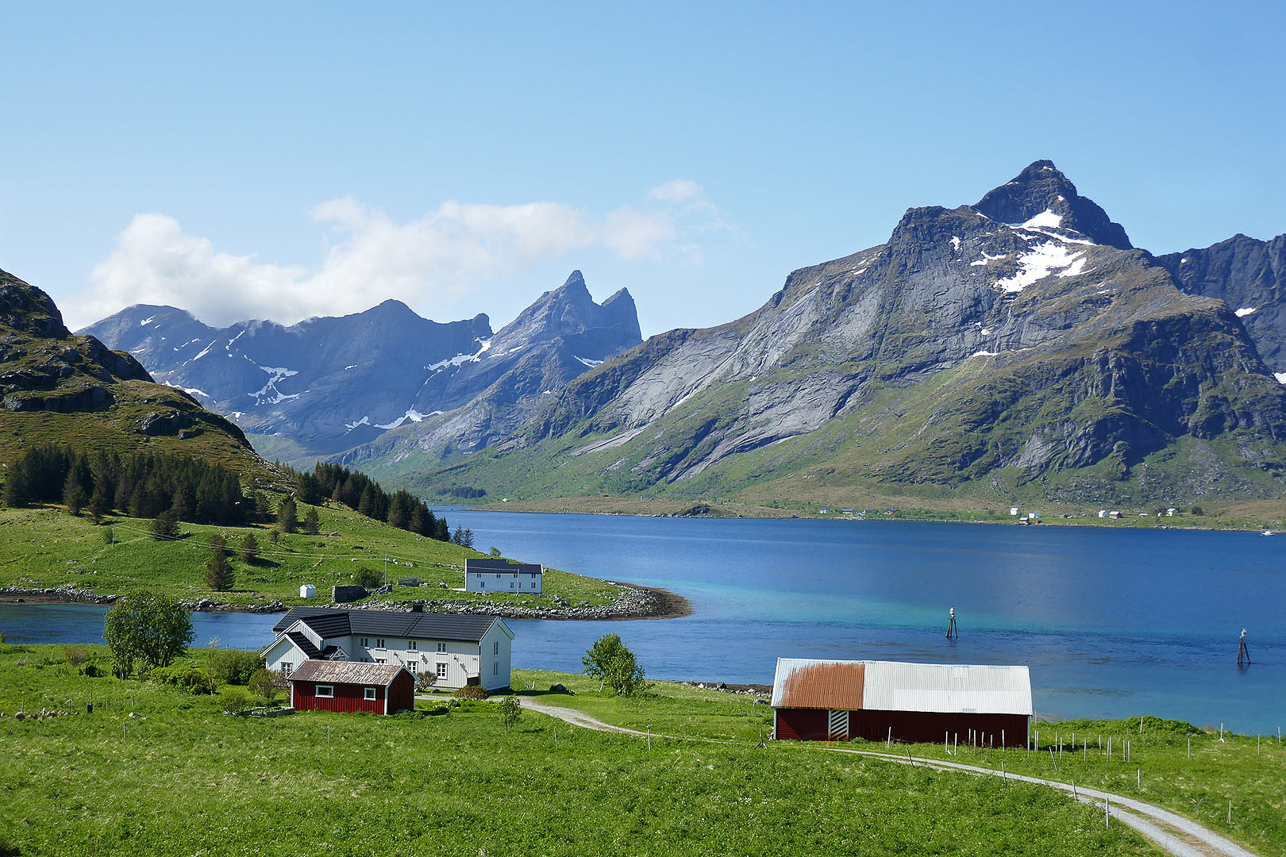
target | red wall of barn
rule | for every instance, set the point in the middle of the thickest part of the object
(912, 727)
(351, 697)
(348, 697)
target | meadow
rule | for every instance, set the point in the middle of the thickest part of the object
(44, 547)
(158, 771)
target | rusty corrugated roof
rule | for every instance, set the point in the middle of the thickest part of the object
(346, 672)
(837, 685)
(896, 686)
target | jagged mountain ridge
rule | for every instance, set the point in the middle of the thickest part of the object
(1250, 276)
(970, 349)
(58, 388)
(327, 384)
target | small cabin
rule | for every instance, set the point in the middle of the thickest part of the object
(830, 700)
(498, 575)
(307, 591)
(351, 686)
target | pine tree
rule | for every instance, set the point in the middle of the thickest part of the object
(287, 515)
(165, 527)
(218, 571)
(312, 524)
(249, 549)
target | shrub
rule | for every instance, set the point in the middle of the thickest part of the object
(190, 677)
(472, 691)
(368, 577)
(510, 711)
(235, 700)
(263, 684)
(75, 655)
(232, 666)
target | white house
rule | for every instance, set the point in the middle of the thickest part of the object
(456, 650)
(307, 591)
(498, 575)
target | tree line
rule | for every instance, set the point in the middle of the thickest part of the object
(141, 485)
(355, 489)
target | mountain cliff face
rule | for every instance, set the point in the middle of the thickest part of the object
(328, 384)
(59, 388)
(1018, 346)
(1249, 276)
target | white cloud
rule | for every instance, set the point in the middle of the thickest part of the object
(433, 260)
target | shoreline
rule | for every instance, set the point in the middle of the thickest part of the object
(637, 603)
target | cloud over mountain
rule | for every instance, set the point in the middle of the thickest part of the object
(429, 262)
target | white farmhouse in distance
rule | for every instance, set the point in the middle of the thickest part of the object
(455, 650)
(307, 591)
(498, 575)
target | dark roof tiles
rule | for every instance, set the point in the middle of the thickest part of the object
(329, 622)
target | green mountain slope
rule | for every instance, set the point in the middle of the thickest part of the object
(1018, 348)
(56, 388)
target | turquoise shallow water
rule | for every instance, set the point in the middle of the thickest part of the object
(1112, 622)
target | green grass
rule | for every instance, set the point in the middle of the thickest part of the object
(181, 778)
(45, 547)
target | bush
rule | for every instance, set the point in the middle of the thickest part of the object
(231, 666)
(510, 711)
(472, 691)
(190, 677)
(75, 655)
(368, 577)
(263, 684)
(235, 700)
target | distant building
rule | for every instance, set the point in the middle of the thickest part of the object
(1013, 510)
(826, 700)
(498, 575)
(457, 650)
(1169, 513)
(307, 591)
(348, 686)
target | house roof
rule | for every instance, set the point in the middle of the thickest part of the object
(330, 622)
(490, 565)
(346, 672)
(897, 686)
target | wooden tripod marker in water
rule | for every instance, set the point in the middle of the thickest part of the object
(952, 633)
(1243, 654)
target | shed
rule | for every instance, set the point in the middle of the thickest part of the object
(820, 700)
(351, 686)
(307, 591)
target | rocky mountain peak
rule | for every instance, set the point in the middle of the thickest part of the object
(1042, 196)
(27, 309)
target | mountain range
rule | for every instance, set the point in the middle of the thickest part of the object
(1018, 347)
(329, 384)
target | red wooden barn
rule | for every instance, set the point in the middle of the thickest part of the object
(818, 700)
(351, 686)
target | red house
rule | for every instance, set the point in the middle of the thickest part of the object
(352, 686)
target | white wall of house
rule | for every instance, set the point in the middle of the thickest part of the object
(283, 654)
(496, 656)
(503, 581)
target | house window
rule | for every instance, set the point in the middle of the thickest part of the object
(381, 660)
(379, 642)
(442, 647)
(495, 668)
(495, 648)
(511, 584)
(412, 665)
(533, 584)
(325, 691)
(366, 641)
(482, 584)
(369, 694)
(413, 645)
(286, 667)
(442, 671)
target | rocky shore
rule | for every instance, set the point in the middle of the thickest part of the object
(636, 602)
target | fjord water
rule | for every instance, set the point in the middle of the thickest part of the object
(1113, 622)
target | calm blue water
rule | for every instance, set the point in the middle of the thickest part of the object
(1112, 622)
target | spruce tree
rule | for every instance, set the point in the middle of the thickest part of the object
(312, 524)
(218, 571)
(249, 549)
(287, 515)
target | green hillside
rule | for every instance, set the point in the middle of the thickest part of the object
(45, 547)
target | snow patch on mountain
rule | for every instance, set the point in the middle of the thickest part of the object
(1245, 311)
(1038, 263)
(411, 414)
(588, 361)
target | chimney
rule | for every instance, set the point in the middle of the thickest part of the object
(417, 607)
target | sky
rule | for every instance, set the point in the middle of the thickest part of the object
(288, 160)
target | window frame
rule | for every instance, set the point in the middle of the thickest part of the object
(368, 695)
(324, 691)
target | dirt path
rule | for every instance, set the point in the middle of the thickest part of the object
(1173, 833)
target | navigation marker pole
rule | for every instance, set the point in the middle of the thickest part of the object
(1243, 654)
(952, 633)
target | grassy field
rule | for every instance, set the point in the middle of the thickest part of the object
(45, 547)
(182, 778)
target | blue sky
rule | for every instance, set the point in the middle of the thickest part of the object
(286, 160)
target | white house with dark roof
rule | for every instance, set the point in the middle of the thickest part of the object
(500, 575)
(457, 650)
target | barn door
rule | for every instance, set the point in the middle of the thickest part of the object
(837, 726)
